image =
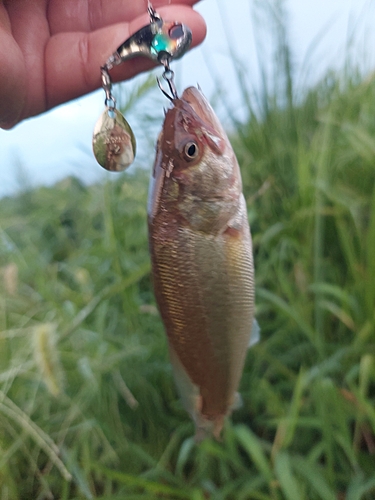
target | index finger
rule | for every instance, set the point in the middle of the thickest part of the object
(86, 15)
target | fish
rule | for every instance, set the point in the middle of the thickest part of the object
(202, 260)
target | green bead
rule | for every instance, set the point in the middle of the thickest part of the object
(160, 43)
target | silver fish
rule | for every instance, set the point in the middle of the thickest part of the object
(202, 262)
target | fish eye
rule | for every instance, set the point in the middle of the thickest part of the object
(191, 151)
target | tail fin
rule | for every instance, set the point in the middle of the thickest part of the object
(205, 428)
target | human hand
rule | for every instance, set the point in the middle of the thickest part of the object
(51, 50)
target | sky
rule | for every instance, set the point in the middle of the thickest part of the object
(47, 148)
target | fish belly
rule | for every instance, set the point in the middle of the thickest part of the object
(204, 288)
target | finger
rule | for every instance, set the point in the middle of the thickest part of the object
(12, 90)
(31, 32)
(73, 59)
(86, 15)
(13, 77)
(23, 35)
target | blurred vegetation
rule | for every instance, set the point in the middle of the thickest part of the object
(88, 408)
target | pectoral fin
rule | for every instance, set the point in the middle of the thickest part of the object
(255, 333)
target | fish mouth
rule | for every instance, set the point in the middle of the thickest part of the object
(195, 98)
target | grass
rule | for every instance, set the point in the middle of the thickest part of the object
(88, 408)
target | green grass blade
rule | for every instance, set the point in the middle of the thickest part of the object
(251, 444)
(288, 481)
(314, 477)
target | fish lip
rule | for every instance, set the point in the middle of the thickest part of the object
(199, 103)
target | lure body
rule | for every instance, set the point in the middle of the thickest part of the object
(201, 259)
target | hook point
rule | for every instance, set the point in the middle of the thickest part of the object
(171, 98)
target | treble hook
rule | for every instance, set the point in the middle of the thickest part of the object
(168, 76)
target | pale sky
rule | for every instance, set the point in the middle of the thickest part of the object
(56, 144)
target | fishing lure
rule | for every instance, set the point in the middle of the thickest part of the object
(114, 144)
